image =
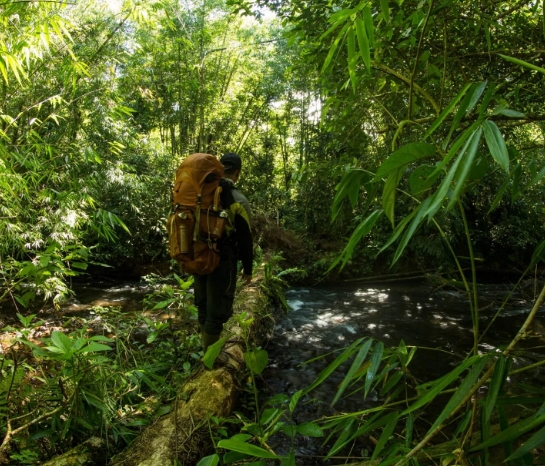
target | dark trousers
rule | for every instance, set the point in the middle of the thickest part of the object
(215, 293)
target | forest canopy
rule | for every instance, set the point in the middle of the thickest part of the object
(102, 100)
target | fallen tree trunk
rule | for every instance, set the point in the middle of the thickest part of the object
(92, 451)
(183, 435)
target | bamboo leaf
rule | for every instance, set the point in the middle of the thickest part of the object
(533, 442)
(369, 26)
(515, 186)
(386, 433)
(536, 179)
(389, 195)
(363, 229)
(348, 187)
(376, 359)
(363, 43)
(462, 391)
(455, 147)
(513, 432)
(399, 229)
(516, 61)
(496, 144)
(333, 48)
(247, 448)
(498, 377)
(385, 10)
(439, 385)
(466, 106)
(336, 363)
(294, 400)
(352, 57)
(539, 253)
(446, 112)
(403, 157)
(422, 210)
(466, 165)
(356, 364)
(421, 179)
(500, 194)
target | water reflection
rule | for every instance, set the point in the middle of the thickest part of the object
(325, 320)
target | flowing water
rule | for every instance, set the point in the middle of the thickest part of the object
(324, 320)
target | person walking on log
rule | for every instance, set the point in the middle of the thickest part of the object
(215, 292)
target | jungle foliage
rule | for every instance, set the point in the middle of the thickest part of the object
(405, 131)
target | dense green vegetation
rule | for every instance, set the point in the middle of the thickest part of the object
(374, 134)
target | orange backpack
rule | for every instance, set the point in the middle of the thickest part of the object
(197, 220)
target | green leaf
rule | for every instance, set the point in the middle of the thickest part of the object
(369, 27)
(333, 48)
(268, 415)
(243, 447)
(361, 230)
(385, 10)
(539, 253)
(62, 342)
(399, 229)
(352, 58)
(469, 152)
(256, 360)
(440, 384)
(446, 112)
(391, 423)
(512, 432)
(212, 353)
(420, 211)
(363, 43)
(515, 186)
(348, 187)
(536, 179)
(310, 429)
(403, 157)
(211, 460)
(164, 303)
(500, 193)
(376, 359)
(496, 144)
(498, 378)
(462, 391)
(356, 364)
(466, 106)
(324, 374)
(421, 179)
(80, 265)
(94, 347)
(389, 195)
(294, 400)
(516, 61)
(533, 442)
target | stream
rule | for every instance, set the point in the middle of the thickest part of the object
(325, 319)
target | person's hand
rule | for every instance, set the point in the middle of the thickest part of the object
(247, 279)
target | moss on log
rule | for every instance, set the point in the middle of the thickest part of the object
(183, 434)
(91, 452)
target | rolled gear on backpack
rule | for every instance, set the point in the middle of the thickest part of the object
(197, 221)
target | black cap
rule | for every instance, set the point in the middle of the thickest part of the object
(231, 161)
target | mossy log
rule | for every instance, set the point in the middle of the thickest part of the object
(91, 452)
(183, 434)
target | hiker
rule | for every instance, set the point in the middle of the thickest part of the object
(215, 292)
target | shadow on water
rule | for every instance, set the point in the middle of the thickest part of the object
(325, 320)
